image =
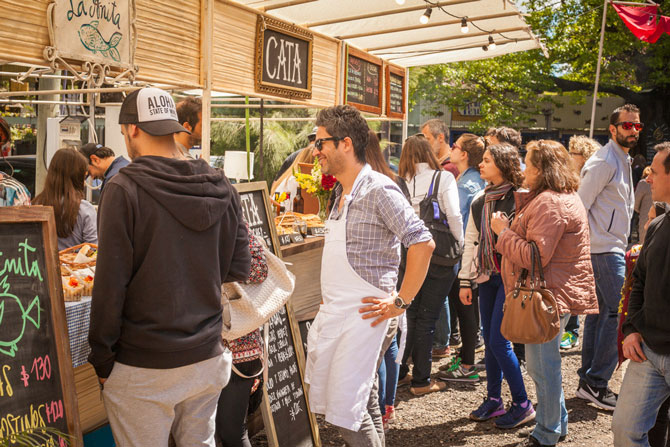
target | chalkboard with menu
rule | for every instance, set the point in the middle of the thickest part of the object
(36, 377)
(364, 81)
(395, 92)
(287, 417)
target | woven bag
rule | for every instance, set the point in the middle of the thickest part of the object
(246, 307)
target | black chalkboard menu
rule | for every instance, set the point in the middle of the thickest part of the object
(286, 415)
(395, 92)
(36, 377)
(364, 81)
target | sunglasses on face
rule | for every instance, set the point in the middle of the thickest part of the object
(318, 144)
(628, 125)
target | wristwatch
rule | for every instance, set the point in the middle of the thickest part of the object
(399, 303)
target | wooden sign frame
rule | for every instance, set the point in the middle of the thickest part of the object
(355, 52)
(45, 216)
(398, 71)
(264, 23)
(268, 421)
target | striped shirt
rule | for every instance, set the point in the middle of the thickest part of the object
(380, 218)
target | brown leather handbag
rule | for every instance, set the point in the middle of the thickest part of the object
(530, 312)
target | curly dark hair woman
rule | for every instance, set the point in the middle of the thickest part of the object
(506, 158)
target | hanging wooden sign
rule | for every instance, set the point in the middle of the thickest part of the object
(283, 62)
(364, 81)
(395, 92)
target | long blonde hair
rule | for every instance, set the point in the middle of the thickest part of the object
(305, 156)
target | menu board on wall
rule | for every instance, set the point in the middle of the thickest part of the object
(364, 81)
(287, 417)
(395, 92)
(36, 377)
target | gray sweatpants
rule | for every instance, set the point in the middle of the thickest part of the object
(143, 405)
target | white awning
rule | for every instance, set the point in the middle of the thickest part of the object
(394, 32)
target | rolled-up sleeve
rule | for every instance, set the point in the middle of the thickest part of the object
(399, 216)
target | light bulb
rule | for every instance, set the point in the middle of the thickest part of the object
(492, 44)
(464, 26)
(426, 16)
(485, 48)
(400, 2)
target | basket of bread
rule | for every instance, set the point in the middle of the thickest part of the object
(286, 222)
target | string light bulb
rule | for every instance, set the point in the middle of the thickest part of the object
(426, 16)
(400, 2)
(464, 26)
(485, 47)
(492, 43)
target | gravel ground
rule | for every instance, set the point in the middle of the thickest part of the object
(441, 419)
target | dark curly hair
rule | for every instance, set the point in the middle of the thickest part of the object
(345, 121)
(506, 158)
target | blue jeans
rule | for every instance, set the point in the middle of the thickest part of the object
(443, 327)
(388, 376)
(499, 358)
(599, 351)
(421, 318)
(645, 387)
(543, 363)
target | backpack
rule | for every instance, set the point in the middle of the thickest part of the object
(448, 250)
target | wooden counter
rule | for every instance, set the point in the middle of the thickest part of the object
(305, 258)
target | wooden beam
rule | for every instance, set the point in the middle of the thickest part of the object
(429, 25)
(286, 4)
(444, 39)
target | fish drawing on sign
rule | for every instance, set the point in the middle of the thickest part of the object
(12, 336)
(93, 41)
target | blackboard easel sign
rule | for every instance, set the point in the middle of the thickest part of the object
(395, 92)
(36, 377)
(287, 417)
(363, 86)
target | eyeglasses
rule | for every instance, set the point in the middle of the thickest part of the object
(311, 138)
(318, 144)
(628, 125)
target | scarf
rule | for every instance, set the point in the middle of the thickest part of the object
(488, 261)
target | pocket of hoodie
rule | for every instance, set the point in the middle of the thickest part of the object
(609, 227)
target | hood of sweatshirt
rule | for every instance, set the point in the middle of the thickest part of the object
(195, 194)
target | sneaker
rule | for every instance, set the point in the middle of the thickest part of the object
(518, 414)
(479, 347)
(458, 373)
(569, 340)
(526, 432)
(532, 442)
(450, 365)
(440, 353)
(491, 407)
(601, 397)
(390, 412)
(455, 341)
(480, 365)
(405, 380)
(430, 388)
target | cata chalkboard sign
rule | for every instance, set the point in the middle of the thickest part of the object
(283, 62)
(395, 92)
(36, 377)
(287, 417)
(364, 81)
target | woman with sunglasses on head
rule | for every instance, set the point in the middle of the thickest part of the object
(421, 170)
(64, 191)
(552, 215)
(481, 265)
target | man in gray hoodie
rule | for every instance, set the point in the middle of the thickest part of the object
(170, 233)
(607, 193)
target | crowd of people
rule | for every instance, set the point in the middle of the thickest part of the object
(416, 267)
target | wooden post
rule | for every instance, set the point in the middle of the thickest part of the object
(206, 68)
(44, 111)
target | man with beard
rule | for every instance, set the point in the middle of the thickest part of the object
(189, 112)
(607, 193)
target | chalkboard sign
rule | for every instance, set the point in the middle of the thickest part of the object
(395, 92)
(364, 81)
(283, 63)
(304, 330)
(36, 377)
(287, 417)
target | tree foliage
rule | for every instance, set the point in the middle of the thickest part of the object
(509, 86)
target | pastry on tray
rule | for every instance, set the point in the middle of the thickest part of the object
(73, 288)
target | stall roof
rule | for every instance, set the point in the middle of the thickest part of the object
(393, 32)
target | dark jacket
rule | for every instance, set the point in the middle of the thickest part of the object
(649, 307)
(170, 233)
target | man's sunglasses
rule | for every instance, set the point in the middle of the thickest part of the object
(318, 144)
(628, 125)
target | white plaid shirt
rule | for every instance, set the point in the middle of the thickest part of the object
(379, 219)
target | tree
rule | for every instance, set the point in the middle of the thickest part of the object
(509, 86)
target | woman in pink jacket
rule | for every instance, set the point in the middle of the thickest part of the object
(552, 215)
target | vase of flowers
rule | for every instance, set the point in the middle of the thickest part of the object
(318, 184)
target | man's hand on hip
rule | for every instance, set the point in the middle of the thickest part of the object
(381, 309)
(632, 348)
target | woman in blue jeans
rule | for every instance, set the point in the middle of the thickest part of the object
(552, 215)
(500, 168)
